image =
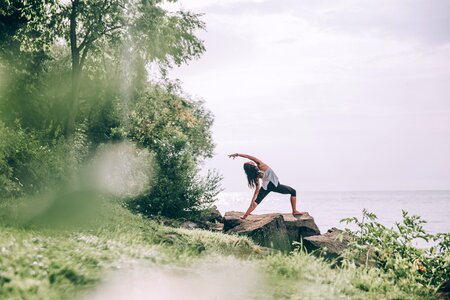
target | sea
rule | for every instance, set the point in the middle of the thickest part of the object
(329, 208)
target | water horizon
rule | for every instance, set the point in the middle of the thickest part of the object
(329, 207)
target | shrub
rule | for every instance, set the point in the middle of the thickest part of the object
(9, 185)
(33, 161)
(178, 132)
(392, 251)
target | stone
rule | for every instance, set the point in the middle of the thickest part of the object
(330, 243)
(213, 215)
(276, 231)
(300, 226)
(211, 226)
(218, 227)
(267, 230)
(189, 225)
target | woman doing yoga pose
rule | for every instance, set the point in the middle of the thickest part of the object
(255, 170)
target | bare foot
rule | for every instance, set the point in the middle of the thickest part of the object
(298, 213)
(244, 217)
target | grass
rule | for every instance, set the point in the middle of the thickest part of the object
(38, 262)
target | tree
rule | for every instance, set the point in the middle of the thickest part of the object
(17, 68)
(178, 131)
(142, 27)
(83, 53)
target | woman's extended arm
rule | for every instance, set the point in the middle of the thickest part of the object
(260, 164)
(253, 203)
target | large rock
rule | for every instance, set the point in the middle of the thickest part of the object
(300, 226)
(271, 230)
(266, 230)
(189, 225)
(331, 244)
(213, 215)
(212, 226)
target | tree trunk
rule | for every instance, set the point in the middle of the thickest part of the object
(76, 71)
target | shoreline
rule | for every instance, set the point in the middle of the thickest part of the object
(329, 208)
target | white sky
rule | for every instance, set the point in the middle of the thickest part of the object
(333, 95)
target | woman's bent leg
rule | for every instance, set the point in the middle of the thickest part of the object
(285, 189)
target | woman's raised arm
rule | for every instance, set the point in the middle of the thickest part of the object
(260, 164)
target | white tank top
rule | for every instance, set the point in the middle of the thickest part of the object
(269, 175)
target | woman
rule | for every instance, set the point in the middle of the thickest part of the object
(255, 170)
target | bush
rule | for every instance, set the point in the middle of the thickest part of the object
(32, 161)
(391, 250)
(174, 130)
(178, 132)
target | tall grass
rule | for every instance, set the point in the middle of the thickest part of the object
(38, 262)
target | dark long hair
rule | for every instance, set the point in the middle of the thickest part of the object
(252, 172)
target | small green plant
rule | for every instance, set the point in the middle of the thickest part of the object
(392, 250)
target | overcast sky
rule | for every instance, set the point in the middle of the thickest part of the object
(333, 95)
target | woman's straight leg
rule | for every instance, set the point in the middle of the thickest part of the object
(285, 189)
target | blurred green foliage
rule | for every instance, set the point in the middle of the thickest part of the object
(74, 77)
(34, 161)
(100, 32)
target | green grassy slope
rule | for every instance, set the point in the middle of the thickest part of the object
(45, 263)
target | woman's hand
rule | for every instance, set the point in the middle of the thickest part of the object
(251, 208)
(233, 156)
(258, 162)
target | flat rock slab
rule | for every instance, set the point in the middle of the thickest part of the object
(276, 231)
(331, 243)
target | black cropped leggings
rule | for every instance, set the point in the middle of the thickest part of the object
(281, 188)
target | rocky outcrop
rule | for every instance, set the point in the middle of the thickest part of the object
(210, 219)
(276, 231)
(331, 244)
(213, 215)
(189, 225)
(300, 226)
(212, 226)
(266, 230)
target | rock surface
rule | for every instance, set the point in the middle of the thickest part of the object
(445, 290)
(213, 215)
(189, 225)
(300, 226)
(330, 242)
(276, 231)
